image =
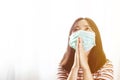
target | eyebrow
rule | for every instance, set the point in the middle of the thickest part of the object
(79, 27)
(76, 27)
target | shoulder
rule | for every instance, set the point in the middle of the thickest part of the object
(108, 64)
(106, 72)
(107, 67)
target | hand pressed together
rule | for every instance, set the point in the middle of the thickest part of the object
(81, 57)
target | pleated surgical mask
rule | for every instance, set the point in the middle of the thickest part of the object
(88, 39)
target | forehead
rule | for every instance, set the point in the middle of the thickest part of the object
(82, 22)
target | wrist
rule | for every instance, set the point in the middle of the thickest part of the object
(86, 67)
(74, 68)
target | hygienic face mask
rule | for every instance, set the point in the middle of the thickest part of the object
(88, 39)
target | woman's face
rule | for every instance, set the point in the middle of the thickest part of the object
(82, 25)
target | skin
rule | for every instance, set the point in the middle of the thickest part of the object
(81, 57)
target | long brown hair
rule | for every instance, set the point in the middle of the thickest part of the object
(96, 58)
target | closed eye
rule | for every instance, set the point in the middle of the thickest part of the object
(76, 29)
(86, 28)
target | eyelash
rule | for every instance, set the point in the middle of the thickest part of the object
(78, 29)
(86, 28)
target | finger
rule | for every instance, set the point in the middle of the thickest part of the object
(77, 46)
(76, 63)
(78, 52)
(75, 58)
(78, 43)
(81, 44)
(76, 55)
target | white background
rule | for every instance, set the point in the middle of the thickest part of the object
(34, 33)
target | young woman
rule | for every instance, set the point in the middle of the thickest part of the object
(84, 58)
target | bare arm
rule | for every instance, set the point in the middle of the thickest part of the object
(87, 74)
(106, 72)
(84, 61)
(81, 59)
(62, 74)
(74, 70)
(73, 74)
